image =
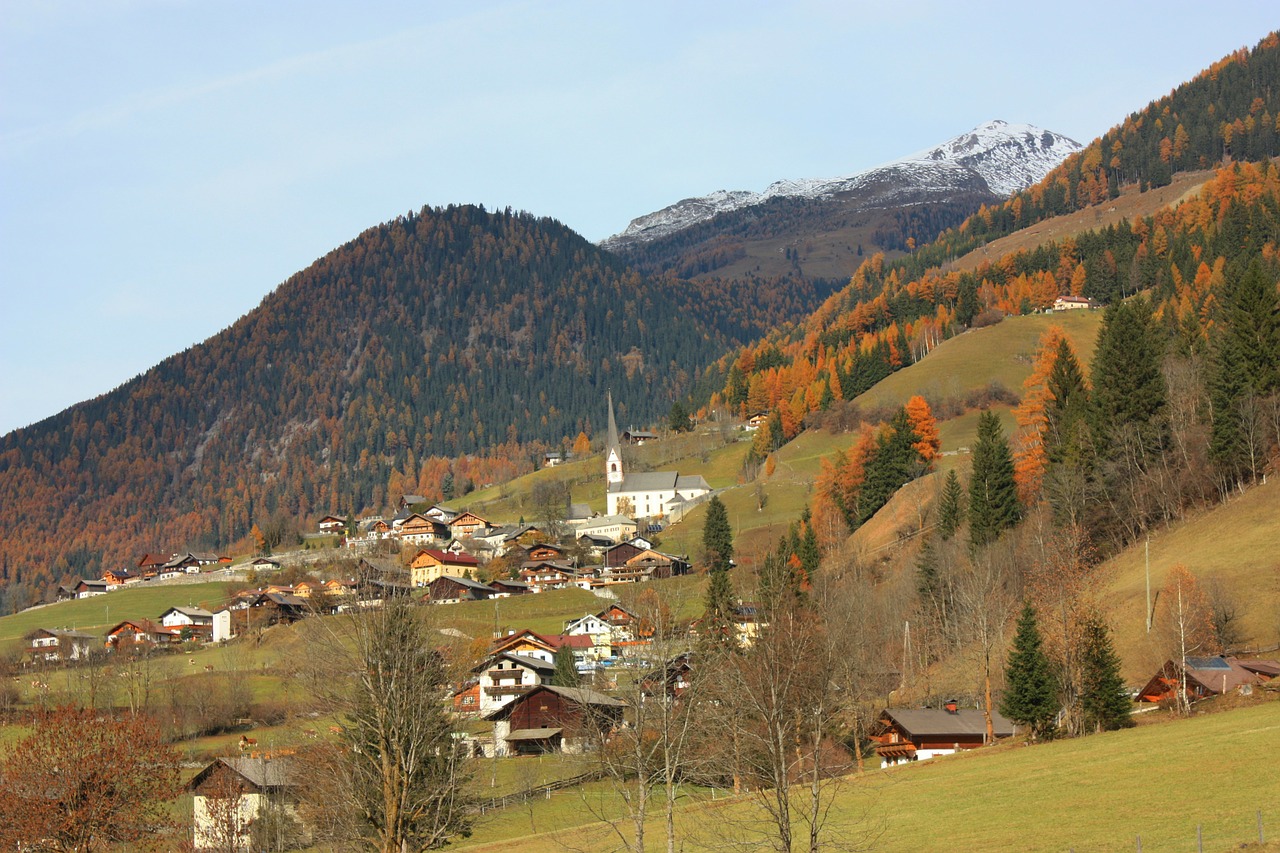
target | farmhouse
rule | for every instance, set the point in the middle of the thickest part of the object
(429, 564)
(506, 675)
(51, 645)
(1208, 676)
(914, 734)
(235, 793)
(554, 719)
(448, 589)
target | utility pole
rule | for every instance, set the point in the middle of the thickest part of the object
(1148, 583)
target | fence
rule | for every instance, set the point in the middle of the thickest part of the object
(1261, 837)
(544, 791)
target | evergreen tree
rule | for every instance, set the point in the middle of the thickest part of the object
(1030, 695)
(1129, 388)
(1246, 368)
(566, 673)
(718, 626)
(678, 420)
(895, 463)
(717, 536)
(950, 506)
(1068, 402)
(1104, 701)
(993, 494)
(808, 551)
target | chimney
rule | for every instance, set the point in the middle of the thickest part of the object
(950, 705)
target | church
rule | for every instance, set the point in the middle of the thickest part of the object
(651, 494)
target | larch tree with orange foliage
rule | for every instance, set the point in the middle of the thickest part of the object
(1030, 456)
(925, 426)
(1186, 622)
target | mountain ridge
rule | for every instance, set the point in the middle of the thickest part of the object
(1003, 157)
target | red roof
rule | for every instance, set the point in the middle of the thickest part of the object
(450, 557)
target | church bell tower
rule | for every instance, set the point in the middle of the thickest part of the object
(613, 453)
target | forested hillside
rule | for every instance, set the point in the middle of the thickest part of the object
(1185, 392)
(450, 341)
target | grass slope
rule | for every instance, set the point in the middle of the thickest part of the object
(1236, 544)
(95, 615)
(1095, 793)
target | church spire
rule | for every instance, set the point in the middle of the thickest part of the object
(613, 450)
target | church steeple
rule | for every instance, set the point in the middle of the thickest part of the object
(613, 451)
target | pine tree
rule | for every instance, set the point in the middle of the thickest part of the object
(717, 536)
(894, 464)
(718, 626)
(678, 419)
(1129, 388)
(566, 672)
(993, 495)
(950, 506)
(808, 551)
(1068, 403)
(1030, 695)
(1104, 701)
(1246, 368)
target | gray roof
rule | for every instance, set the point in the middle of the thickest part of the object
(648, 481)
(260, 772)
(586, 696)
(467, 582)
(579, 510)
(193, 612)
(692, 481)
(524, 660)
(921, 722)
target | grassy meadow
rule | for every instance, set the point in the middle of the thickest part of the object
(1101, 792)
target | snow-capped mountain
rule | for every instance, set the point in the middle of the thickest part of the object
(998, 156)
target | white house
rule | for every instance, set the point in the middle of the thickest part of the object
(51, 645)
(222, 626)
(508, 675)
(176, 617)
(231, 794)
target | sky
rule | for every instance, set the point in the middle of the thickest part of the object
(164, 165)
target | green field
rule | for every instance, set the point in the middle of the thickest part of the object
(1095, 793)
(95, 615)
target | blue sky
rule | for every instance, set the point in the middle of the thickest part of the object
(164, 165)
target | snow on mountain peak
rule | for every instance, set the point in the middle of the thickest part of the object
(1007, 156)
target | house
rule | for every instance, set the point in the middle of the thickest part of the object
(643, 495)
(120, 577)
(620, 620)
(547, 551)
(505, 675)
(255, 785)
(264, 564)
(183, 563)
(52, 645)
(503, 588)
(1072, 303)
(552, 458)
(756, 420)
(141, 632)
(331, 524)
(89, 588)
(152, 562)
(448, 589)
(669, 681)
(222, 626)
(614, 528)
(270, 608)
(637, 436)
(418, 529)
(915, 734)
(555, 719)
(1208, 676)
(199, 621)
(468, 524)
(429, 564)
(542, 575)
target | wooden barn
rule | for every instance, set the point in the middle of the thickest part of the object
(555, 719)
(915, 734)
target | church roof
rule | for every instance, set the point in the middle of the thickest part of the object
(613, 431)
(648, 481)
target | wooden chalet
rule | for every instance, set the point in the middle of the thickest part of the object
(264, 564)
(1208, 676)
(120, 577)
(671, 680)
(331, 524)
(255, 781)
(410, 501)
(448, 589)
(417, 529)
(506, 675)
(619, 554)
(547, 551)
(504, 588)
(55, 645)
(637, 437)
(468, 524)
(86, 588)
(916, 734)
(152, 562)
(554, 719)
(429, 564)
(527, 643)
(141, 632)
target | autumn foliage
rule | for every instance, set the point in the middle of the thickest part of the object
(82, 782)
